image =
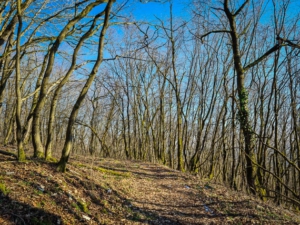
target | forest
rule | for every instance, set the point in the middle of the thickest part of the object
(212, 91)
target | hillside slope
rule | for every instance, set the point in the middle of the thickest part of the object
(108, 191)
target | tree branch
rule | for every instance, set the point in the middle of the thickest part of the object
(273, 49)
(288, 42)
(212, 32)
(241, 8)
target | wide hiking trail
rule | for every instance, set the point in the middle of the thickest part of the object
(157, 194)
(166, 196)
(110, 191)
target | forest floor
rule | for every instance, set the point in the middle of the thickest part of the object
(109, 191)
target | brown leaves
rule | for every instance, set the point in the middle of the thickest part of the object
(151, 194)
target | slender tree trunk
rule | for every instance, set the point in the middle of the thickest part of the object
(224, 153)
(277, 166)
(69, 134)
(233, 167)
(296, 124)
(36, 137)
(9, 124)
(51, 122)
(6, 71)
(29, 120)
(179, 127)
(243, 102)
(21, 152)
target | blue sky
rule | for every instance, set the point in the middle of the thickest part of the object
(148, 11)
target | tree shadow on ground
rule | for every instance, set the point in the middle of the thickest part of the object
(21, 213)
(37, 173)
(151, 173)
(142, 215)
(105, 202)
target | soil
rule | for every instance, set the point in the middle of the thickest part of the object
(110, 191)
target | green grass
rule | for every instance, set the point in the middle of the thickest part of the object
(38, 192)
(81, 165)
(80, 206)
(26, 183)
(3, 189)
(83, 207)
(136, 216)
(112, 172)
(41, 204)
(74, 205)
(107, 171)
(105, 203)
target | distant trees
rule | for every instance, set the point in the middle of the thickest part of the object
(215, 94)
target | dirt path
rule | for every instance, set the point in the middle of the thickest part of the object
(108, 191)
(168, 195)
(159, 195)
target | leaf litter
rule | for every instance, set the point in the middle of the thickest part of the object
(110, 191)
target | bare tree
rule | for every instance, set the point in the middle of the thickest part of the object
(69, 134)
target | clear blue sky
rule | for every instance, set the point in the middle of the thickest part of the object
(148, 11)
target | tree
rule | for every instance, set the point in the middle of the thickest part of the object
(69, 134)
(21, 153)
(244, 119)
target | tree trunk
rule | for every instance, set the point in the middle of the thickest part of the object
(51, 122)
(21, 152)
(243, 102)
(36, 137)
(69, 134)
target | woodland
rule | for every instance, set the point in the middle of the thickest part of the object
(213, 92)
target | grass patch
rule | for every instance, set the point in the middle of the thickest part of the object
(80, 206)
(81, 165)
(41, 204)
(38, 192)
(112, 172)
(136, 216)
(74, 205)
(3, 189)
(83, 207)
(106, 171)
(105, 203)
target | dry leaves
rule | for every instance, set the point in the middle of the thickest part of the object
(123, 192)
